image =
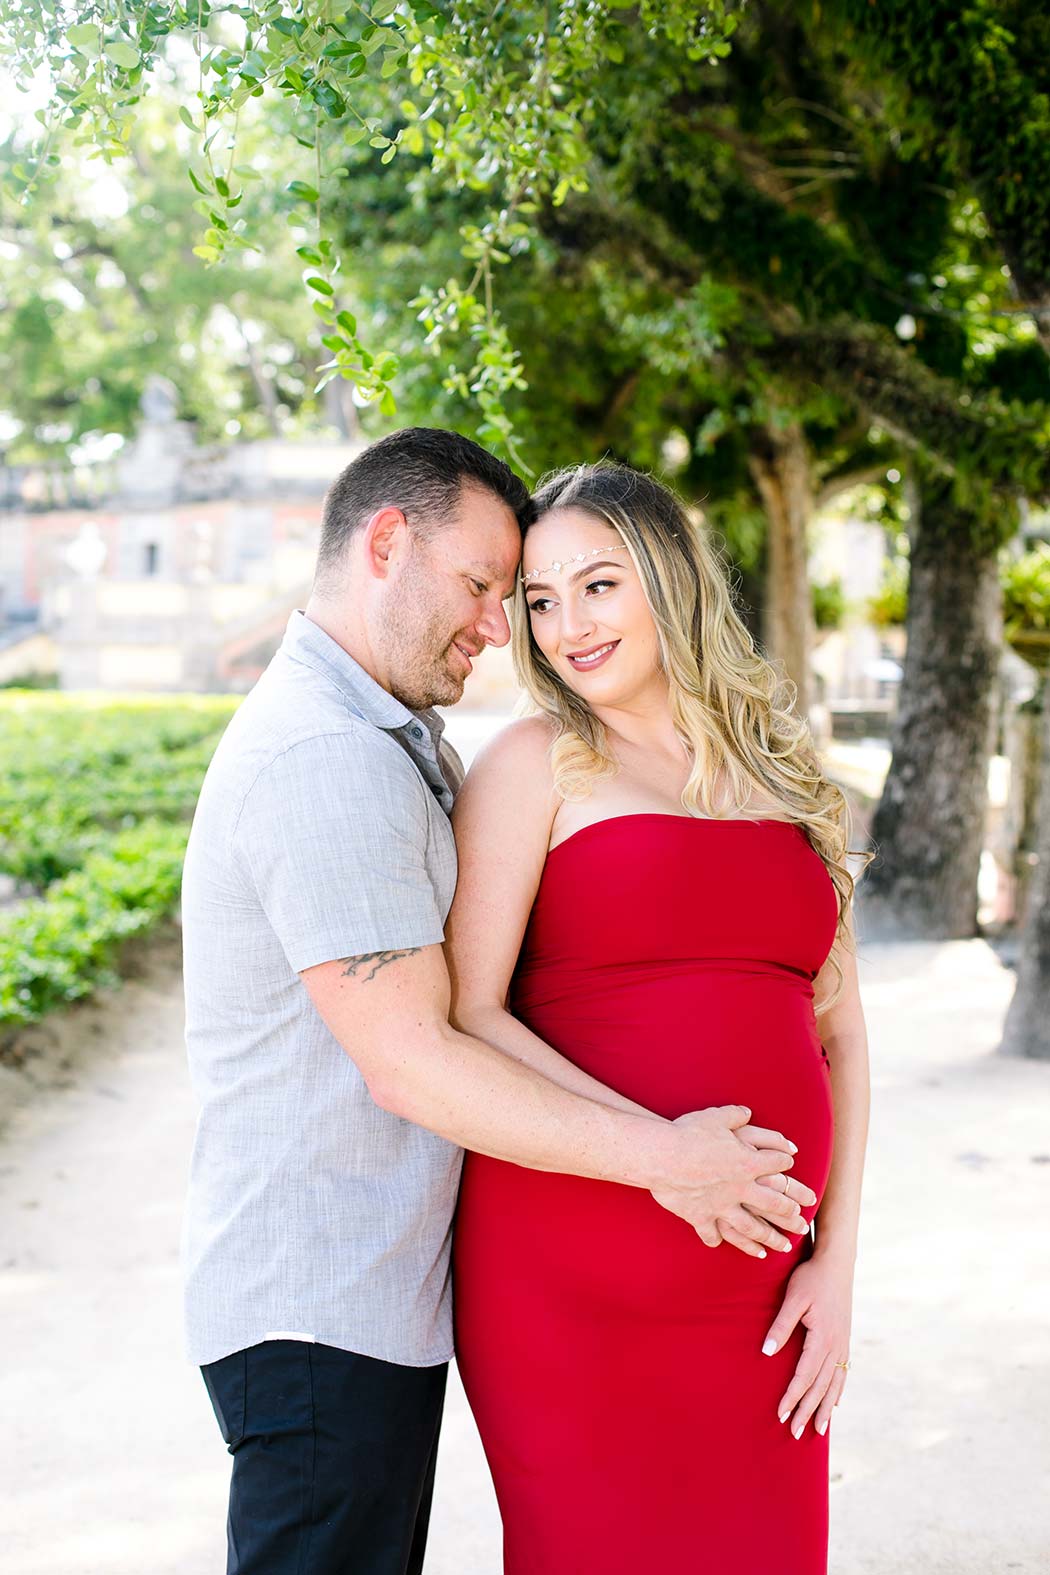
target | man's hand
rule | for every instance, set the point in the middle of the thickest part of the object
(733, 1187)
(786, 1186)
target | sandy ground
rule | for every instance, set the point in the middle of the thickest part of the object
(110, 1461)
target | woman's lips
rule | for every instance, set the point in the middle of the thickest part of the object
(596, 656)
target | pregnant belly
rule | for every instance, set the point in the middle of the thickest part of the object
(691, 1039)
(673, 1044)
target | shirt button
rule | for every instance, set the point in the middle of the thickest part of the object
(417, 732)
(436, 789)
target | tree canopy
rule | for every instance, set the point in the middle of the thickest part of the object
(101, 291)
(696, 237)
(521, 139)
(711, 217)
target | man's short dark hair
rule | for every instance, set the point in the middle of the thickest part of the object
(421, 471)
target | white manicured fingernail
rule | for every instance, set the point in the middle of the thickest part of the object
(796, 1432)
(785, 1416)
(822, 1428)
(768, 1350)
(793, 1147)
(760, 1253)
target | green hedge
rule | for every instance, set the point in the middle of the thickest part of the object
(74, 770)
(96, 795)
(57, 948)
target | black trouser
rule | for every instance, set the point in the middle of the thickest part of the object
(333, 1459)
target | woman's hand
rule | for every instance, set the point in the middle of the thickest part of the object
(819, 1295)
(724, 1190)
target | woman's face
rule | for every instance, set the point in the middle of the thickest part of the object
(591, 619)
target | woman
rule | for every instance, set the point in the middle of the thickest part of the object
(653, 880)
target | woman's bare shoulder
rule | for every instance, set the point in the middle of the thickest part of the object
(526, 741)
(513, 769)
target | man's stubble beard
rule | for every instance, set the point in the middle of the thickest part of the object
(415, 646)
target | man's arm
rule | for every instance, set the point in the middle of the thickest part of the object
(332, 837)
(389, 1010)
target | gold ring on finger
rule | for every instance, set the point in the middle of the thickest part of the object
(842, 1364)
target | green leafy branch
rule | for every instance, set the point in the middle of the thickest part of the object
(395, 73)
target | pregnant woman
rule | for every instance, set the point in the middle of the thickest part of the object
(653, 880)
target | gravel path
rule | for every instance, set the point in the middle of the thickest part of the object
(110, 1461)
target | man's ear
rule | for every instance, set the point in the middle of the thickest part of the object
(385, 541)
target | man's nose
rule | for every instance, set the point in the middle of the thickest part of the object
(494, 627)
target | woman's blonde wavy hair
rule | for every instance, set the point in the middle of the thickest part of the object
(730, 708)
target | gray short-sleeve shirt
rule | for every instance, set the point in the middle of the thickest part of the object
(322, 832)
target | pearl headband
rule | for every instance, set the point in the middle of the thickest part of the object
(581, 557)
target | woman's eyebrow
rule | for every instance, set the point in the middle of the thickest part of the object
(603, 563)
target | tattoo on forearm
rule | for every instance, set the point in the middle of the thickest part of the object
(377, 959)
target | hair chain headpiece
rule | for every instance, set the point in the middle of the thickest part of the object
(563, 563)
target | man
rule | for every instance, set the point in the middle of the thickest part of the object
(335, 1096)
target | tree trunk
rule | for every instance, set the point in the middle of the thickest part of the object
(779, 464)
(928, 828)
(1027, 1027)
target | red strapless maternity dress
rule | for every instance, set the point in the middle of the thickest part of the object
(613, 1362)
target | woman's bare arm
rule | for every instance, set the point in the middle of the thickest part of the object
(844, 1036)
(503, 817)
(819, 1293)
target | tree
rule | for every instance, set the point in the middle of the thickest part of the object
(740, 280)
(1025, 1030)
(521, 141)
(975, 82)
(745, 266)
(931, 816)
(100, 291)
(872, 240)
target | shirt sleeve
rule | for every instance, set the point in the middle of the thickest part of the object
(333, 837)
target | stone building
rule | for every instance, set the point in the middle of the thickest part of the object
(174, 567)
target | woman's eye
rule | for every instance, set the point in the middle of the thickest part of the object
(595, 585)
(540, 605)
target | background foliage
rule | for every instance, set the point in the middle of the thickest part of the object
(389, 76)
(95, 802)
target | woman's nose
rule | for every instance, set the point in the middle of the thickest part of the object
(577, 622)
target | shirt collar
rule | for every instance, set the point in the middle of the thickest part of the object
(305, 641)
